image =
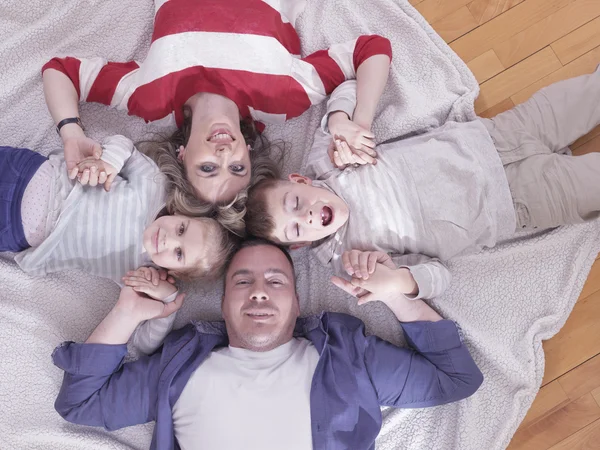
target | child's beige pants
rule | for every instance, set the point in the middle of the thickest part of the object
(549, 188)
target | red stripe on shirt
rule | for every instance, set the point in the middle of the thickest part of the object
(69, 66)
(247, 17)
(367, 46)
(263, 92)
(105, 84)
(329, 71)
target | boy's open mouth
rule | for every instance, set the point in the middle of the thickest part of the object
(326, 216)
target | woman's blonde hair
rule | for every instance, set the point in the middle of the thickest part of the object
(265, 159)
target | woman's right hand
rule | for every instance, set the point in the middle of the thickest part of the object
(77, 147)
(358, 142)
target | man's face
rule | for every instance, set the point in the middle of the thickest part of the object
(304, 213)
(260, 306)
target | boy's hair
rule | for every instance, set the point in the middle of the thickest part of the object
(259, 223)
(212, 266)
(265, 158)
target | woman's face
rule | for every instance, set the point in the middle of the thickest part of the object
(216, 158)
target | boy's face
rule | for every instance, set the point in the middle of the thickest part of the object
(178, 242)
(304, 213)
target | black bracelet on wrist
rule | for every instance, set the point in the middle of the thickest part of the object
(64, 122)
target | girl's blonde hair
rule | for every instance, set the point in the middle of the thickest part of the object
(265, 159)
(211, 266)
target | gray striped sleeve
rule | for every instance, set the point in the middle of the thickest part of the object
(431, 276)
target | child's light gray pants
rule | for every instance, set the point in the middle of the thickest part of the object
(551, 189)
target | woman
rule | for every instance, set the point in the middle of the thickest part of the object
(213, 65)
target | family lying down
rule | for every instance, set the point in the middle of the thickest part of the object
(209, 202)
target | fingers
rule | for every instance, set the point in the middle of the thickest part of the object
(154, 275)
(73, 173)
(136, 281)
(102, 177)
(97, 150)
(364, 156)
(343, 151)
(109, 181)
(346, 286)
(366, 299)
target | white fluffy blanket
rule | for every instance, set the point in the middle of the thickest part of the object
(506, 300)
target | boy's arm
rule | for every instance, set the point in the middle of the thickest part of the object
(437, 369)
(97, 388)
(430, 275)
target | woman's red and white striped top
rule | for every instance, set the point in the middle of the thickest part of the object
(247, 51)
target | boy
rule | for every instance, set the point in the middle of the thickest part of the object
(453, 190)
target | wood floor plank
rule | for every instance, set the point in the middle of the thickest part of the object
(576, 342)
(504, 26)
(592, 284)
(517, 78)
(434, 10)
(579, 42)
(486, 66)
(486, 10)
(414, 2)
(455, 25)
(587, 438)
(596, 395)
(504, 105)
(588, 137)
(546, 31)
(549, 399)
(581, 380)
(592, 146)
(557, 426)
(585, 64)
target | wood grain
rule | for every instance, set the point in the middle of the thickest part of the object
(578, 42)
(455, 25)
(504, 105)
(486, 66)
(587, 438)
(485, 10)
(516, 78)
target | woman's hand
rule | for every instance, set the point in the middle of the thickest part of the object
(352, 144)
(77, 147)
(92, 171)
(155, 283)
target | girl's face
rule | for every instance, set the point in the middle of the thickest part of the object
(178, 242)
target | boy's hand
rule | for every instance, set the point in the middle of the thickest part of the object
(155, 283)
(359, 145)
(379, 278)
(92, 171)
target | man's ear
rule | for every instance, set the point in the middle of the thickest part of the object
(300, 179)
(181, 153)
(298, 245)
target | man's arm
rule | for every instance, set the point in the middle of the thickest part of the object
(99, 390)
(438, 369)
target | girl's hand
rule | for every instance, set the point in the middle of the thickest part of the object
(77, 148)
(155, 283)
(135, 307)
(92, 171)
(352, 144)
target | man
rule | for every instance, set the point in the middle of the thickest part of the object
(265, 379)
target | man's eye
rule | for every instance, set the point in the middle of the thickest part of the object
(178, 253)
(276, 282)
(206, 168)
(237, 168)
(297, 230)
(242, 282)
(297, 203)
(181, 230)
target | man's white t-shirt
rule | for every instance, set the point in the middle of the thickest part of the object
(240, 399)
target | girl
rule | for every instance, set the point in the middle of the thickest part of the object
(211, 65)
(56, 224)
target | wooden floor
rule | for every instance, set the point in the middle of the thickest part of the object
(514, 48)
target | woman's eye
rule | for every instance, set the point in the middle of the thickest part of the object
(206, 168)
(178, 253)
(181, 230)
(237, 168)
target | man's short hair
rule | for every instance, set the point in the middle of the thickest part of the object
(259, 223)
(255, 242)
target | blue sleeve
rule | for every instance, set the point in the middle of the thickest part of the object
(99, 390)
(438, 369)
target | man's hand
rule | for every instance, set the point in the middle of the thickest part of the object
(139, 307)
(155, 283)
(375, 277)
(352, 144)
(93, 171)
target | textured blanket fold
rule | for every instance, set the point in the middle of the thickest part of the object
(506, 300)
